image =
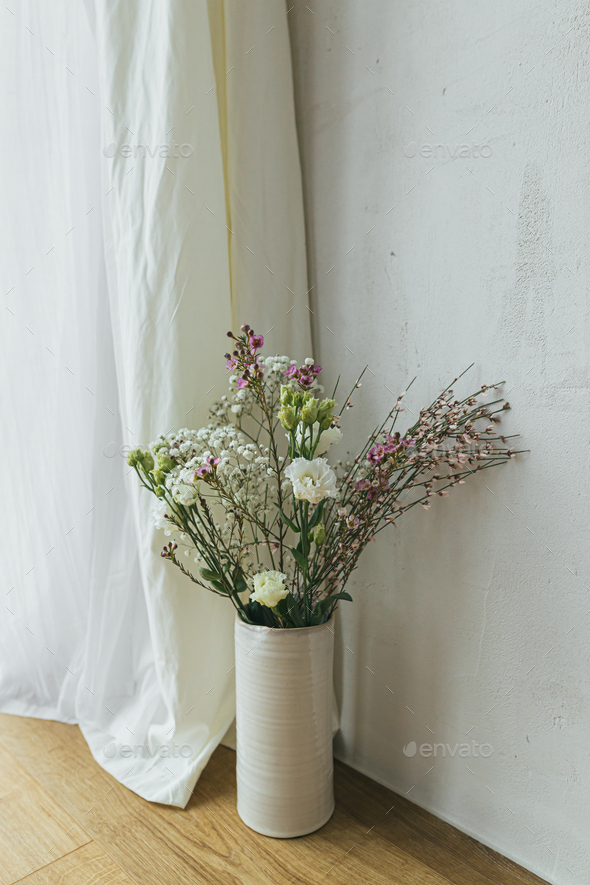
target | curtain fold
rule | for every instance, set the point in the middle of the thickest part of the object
(181, 183)
(253, 77)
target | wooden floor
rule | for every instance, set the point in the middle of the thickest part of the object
(65, 820)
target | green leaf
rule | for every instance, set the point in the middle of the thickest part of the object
(209, 575)
(289, 610)
(323, 605)
(299, 558)
(261, 614)
(346, 596)
(239, 581)
(255, 612)
(286, 519)
(294, 611)
(240, 584)
(282, 607)
(316, 514)
(215, 579)
(268, 617)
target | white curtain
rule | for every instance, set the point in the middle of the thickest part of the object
(121, 275)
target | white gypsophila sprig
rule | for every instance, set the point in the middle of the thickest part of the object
(160, 518)
(241, 402)
(244, 489)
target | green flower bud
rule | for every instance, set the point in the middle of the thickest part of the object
(132, 459)
(159, 493)
(286, 395)
(326, 408)
(309, 412)
(288, 418)
(297, 400)
(159, 476)
(165, 463)
(318, 534)
(148, 462)
(326, 413)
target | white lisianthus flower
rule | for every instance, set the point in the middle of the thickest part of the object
(329, 437)
(269, 588)
(311, 480)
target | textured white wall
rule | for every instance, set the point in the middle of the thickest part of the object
(477, 614)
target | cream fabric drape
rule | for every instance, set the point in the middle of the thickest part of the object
(171, 252)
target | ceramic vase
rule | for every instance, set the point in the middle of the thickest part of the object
(284, 728)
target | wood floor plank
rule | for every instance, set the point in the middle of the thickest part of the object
(342, 849)
(88, 865)
(34, 829)
(208, 843)
(420, 834)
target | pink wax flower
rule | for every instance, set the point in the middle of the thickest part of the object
(376, 454)
(305, 375)
(208, 467)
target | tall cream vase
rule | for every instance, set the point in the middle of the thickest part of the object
(284, 728)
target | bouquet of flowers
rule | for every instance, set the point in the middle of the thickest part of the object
(253, 501)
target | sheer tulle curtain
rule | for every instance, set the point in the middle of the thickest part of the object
(120, 277)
